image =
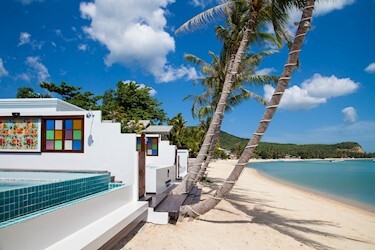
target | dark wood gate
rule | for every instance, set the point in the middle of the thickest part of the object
(142, 167)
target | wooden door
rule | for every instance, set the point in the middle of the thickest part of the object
(142, 168)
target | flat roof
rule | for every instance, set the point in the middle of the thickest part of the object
(159, 129)
(32, 103)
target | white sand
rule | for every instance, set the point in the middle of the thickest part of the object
(263, 214)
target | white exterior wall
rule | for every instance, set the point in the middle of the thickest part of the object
(108, 150)
(42, 231)
(158, 179)
(182, 164)
(166, 157)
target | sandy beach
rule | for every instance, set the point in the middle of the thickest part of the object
(262, 214)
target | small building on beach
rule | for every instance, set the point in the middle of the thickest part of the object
(62, 167)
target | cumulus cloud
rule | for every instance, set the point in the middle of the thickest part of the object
(37, 68)
(141, 85)
(327, 87)
(82, 47)
(325, 7)
(321, 8)
(201, 3)
(24, 38)
(133, 31)
(3, 71)
(265, 71)
(313, 92)
(294, 98)
(350, 115)
(170, 74)
(23, 76)
(370, 68)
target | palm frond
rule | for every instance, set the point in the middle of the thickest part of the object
(203, 18)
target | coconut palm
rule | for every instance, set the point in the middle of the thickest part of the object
(206, 205)
(204, 104)
(273, 11)
(178, 130)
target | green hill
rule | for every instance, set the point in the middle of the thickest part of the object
(268, 150)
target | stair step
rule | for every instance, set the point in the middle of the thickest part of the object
(172, 205)
(157, 199)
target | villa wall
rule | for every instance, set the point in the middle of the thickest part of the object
(105, 148)
(166, 156)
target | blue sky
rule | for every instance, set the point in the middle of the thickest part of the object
(95, 44)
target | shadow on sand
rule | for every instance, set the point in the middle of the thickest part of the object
(294, 228)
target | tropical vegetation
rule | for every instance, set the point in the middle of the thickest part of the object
(128, 103)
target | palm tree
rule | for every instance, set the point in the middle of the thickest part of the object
(206, 205)
(178, 130)
(205, 103)
(263, 8)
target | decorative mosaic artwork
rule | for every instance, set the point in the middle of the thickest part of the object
(151, 147)
(63, 135)
(20, 135)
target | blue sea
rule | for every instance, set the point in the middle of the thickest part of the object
(351, 181)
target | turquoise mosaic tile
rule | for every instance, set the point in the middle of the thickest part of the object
(25, 200)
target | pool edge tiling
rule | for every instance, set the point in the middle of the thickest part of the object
(17, 202)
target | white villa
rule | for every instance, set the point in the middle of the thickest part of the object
(42, 140)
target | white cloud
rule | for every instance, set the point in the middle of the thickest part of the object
(141, 85)
(134, 33)
(37, 68)
(23, 76)
(294, 98)
(26, 2)
(325, 7)
(313, 92)
(321, 8)
(370, 68)
(265, 71)
(82, 47)
(350, 115)
(201, 3)
(171, 74)
(24, 38)
(3, 71)
(327, 87)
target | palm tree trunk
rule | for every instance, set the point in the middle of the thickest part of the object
(214, 141)
(206, 205)
(186, 184)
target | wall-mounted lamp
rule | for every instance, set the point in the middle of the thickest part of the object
(90, 114)
(16, 114)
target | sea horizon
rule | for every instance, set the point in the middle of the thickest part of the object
(349, 181)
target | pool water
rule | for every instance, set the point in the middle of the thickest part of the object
(22, 193)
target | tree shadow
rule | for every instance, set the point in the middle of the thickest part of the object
(293, 228)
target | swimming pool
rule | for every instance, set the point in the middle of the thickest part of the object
(24, 192)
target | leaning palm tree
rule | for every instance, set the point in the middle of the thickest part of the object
(204, 104)
(206, 205)
(254, 8)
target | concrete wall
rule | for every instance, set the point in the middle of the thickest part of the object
(105, 148)
(166, 157)
(158, 179)
(42, 231)
(182, 164)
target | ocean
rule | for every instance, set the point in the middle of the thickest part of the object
(350, 181)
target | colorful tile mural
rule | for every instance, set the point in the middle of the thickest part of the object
(21, 134)
(64, 134)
